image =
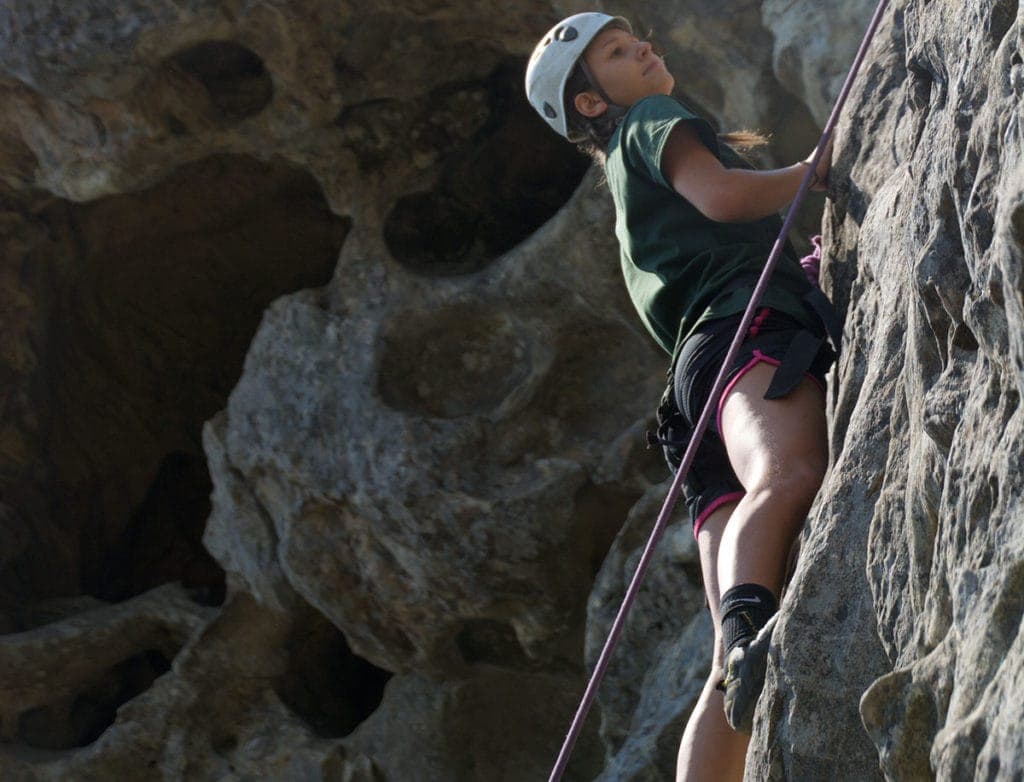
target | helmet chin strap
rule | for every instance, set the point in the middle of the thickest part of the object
(614, 110)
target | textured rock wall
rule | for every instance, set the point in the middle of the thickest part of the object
(910, 579)
(304, 310)
(428, 449)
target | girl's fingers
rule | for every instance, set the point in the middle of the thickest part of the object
(824, 164)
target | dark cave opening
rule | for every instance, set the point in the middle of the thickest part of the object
(81, 719)
(151, 300)
(163, 541)
(331, 688)
(233, 76)
(496, 187)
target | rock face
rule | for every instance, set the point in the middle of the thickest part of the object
(321, 447)
(910, 577)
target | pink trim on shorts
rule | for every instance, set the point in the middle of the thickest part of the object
(715, 504)
(758, 357)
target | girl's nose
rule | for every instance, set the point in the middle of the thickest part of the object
(645, 48)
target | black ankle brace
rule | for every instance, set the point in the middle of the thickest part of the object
(745, 609)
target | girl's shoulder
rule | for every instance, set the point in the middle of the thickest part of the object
(659, 106)
(639, 140)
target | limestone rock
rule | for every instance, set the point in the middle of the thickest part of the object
(310, 283)
(493, 724)
(210, 716)
(908, 589)
(664, 652)
(813, 46)
(66, 656)
(460, 414)
(183, 148)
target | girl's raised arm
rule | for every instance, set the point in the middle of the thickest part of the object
(731, 195)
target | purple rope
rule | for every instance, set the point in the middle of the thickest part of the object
(705, 417)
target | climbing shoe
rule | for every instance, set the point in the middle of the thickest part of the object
(744, 678)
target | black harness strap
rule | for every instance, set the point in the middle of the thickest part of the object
(826, 312)
(797, 360)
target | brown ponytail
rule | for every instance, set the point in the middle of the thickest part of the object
(744, 139)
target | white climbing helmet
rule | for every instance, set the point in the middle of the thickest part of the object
(554, 58)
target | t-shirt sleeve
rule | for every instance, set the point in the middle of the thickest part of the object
(647, 128)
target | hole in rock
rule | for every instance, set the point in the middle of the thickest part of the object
(17, 160)
(176, 126)
(462, 360)
(495, 188)
(995, 290)
(964, 338)
(234, 77)
(224, 742)
(921, 81)
(153, 299)
(1010, 404)
(80, 720)
(1017, 225)
(332, 689)
(492, 642)
(1001, 19)
(600, 512)
(163, 541)
(591, 389)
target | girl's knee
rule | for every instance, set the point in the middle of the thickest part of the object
(792, 485)
(804, 477)
(716, 675)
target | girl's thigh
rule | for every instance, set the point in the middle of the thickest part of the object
(768, 439)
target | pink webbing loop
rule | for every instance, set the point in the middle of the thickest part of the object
(705, 417)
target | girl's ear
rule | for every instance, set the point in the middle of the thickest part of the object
(590, 104)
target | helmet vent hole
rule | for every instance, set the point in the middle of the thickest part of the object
(549, 111)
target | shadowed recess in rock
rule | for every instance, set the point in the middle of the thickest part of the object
(153, 298)
(234, 79)
(495, 188)
(459, 361)
(599, 513)
(493, 642)
(81, 719)
(1001, 18)
(332, 689)
(163, 541)
(592, 380)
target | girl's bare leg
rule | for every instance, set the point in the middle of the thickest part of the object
(710, 750)
(779, 451)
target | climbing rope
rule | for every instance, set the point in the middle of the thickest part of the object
(712, 403)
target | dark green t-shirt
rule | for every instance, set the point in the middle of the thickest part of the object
(681, 267)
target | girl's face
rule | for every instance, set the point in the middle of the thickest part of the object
(626, 68)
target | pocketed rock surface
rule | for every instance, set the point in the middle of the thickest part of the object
(910, 574)
(322, 413)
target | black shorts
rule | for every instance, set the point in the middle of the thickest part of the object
(711, 481)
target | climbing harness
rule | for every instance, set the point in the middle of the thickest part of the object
(712, 403)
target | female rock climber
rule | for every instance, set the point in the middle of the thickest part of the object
(695, 224)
